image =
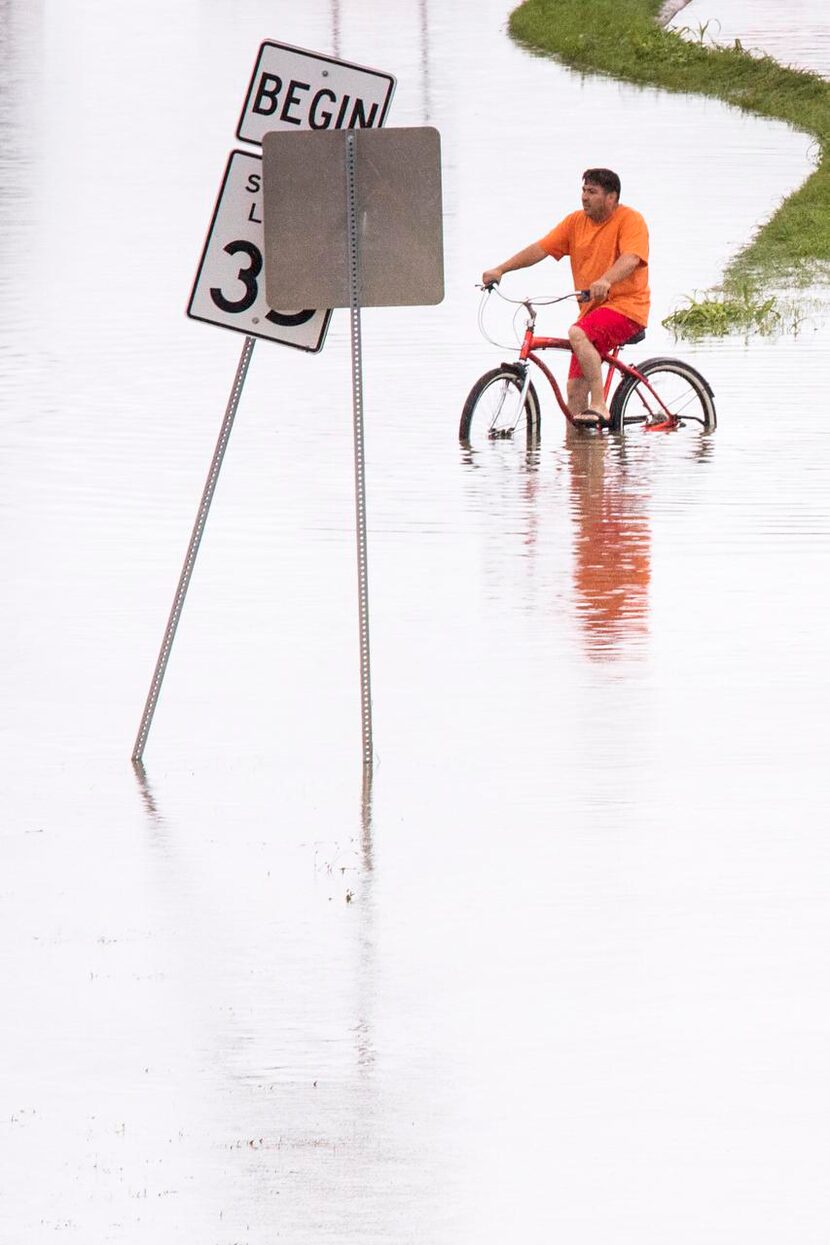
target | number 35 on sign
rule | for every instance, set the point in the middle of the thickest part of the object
(229, 289)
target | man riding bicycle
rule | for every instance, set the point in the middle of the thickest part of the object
(608, 246)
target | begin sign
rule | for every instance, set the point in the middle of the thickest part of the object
(292, 89)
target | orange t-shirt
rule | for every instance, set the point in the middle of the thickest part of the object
(593, 248)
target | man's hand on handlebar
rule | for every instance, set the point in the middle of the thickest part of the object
(600, 290)
(491, 276)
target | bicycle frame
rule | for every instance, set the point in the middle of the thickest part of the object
(532, 343)
(662, 394)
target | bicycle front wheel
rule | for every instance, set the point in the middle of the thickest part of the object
(494, 409)
(681, 391)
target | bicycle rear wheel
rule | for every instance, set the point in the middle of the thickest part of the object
(494, 410)
(686, 394)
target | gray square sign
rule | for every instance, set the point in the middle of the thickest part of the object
(398, 213)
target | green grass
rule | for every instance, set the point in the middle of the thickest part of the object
(622, 39)
(746, 310)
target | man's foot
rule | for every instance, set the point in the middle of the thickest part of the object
(590, 418)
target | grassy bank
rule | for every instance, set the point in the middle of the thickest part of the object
(621, 38)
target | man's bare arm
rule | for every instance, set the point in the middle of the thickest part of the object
(621, 268)
(524, 259)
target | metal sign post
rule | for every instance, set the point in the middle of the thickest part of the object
(379, 244)
(192, 550)
(359, 458)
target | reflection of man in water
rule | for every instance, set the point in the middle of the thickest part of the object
(612, 546)
(608, 246)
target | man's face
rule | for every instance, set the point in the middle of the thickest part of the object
(597, 204)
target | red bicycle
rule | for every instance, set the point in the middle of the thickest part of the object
(661, 394)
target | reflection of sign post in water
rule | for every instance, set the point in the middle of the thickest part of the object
(354, 220)
(290, 89)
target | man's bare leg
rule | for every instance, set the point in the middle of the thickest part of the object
(591, 364)
(578, 391)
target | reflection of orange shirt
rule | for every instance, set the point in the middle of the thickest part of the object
(593, 248)
(611, 575)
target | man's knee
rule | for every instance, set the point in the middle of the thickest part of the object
(576, 335)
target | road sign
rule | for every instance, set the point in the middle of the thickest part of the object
(292, 89)
(229, 289)
(397, 203)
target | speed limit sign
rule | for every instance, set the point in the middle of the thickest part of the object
(229, 289)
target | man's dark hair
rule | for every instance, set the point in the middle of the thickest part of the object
(606, 178)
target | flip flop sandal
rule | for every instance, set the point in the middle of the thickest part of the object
(590, 419)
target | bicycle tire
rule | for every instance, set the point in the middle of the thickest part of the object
(485, 407)
(687, 394)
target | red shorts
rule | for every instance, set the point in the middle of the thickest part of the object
(605, 329)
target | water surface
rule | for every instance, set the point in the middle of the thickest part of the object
(561, 971)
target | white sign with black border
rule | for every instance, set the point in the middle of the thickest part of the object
(229, 289)
(292, 89)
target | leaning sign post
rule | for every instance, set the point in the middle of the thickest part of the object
(291, 89)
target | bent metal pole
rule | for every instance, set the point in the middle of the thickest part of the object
(359, 461)
(193, 549)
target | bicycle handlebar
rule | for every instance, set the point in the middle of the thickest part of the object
(529, 305)
(581, 296)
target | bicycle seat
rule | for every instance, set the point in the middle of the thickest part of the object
(638, 337)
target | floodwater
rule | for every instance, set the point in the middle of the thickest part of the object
(796, 34)
(559, 972)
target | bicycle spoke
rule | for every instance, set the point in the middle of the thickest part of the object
(496, 409)
(674, 388)
(507, 409)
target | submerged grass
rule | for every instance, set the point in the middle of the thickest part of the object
(622, 38)
(745, 309)
(742, 311)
